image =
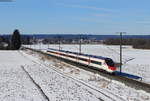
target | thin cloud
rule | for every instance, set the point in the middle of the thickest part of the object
(143, 22)
(6, 0)
(91, 8)
(100, 15)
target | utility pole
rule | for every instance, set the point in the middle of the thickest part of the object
(30, 41)
(34, 41)
(59, 43)
(120, 52)
(121, 33)
(40, 42)
(80, 45)
(40, 45)
(48, 42)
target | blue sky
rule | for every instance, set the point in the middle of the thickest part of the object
(75, 16)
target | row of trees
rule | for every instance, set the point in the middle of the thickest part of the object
(141, 44)
(11, 43)
(117, 41)
(138, 43)
(14, 41)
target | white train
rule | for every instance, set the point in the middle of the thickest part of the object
(98, 62)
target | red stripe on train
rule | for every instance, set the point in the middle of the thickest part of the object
(112, 68)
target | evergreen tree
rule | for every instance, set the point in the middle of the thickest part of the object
(16, 40)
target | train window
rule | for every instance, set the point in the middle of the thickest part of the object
(96, 62)
(69, 56)
(82, 59)
(109, 62)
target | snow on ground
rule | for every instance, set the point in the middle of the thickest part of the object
(109, 87)
(135, 61)
(15, 85)
(60, 88)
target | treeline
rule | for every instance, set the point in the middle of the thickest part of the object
(12, 42)
(116, 41)
(4, 43)
(138, 43)
(28, 40)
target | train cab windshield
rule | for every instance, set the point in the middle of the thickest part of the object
(109, 62)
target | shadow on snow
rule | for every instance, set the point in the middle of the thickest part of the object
(131, 76)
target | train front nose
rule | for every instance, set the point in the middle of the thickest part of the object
(112, 68)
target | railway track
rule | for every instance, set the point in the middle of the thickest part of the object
(37, 85)
(127, 81)
(103, 93)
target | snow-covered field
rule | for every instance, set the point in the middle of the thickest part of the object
(113, 89)
(135, 61)
(26, 76)
(15, 85)
(23, 78)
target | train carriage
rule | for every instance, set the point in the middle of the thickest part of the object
(101, 63)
